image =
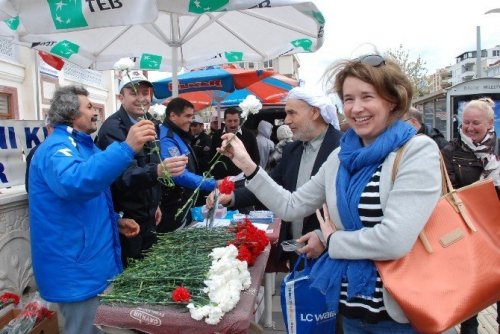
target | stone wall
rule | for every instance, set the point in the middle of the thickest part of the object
(16, 273)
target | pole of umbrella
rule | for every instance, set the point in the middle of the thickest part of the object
(175, 47)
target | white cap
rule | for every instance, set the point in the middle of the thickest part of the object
(136, 77)
(198, 119)
(318, 100)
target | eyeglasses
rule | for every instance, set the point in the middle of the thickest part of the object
(372, 60)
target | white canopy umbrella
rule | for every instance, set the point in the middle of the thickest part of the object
(165, 35)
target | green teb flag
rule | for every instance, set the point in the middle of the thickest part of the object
(304, 43)
(67, 14)
(65, 49)
(150, 61)
(203, 6)
(319, 17)
(233, 56)
(12, 23)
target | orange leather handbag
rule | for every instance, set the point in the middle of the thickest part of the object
(453, 270)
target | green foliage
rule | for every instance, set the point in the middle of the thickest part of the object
(415, 70)
(179, 258)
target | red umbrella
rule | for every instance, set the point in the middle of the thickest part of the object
(202, 99)
(271, 90)
(227, 78)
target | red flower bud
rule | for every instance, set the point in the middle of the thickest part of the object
(181, 295)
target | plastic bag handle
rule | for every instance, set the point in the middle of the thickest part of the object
(307, 265)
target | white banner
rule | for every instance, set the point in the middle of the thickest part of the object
(17, 138)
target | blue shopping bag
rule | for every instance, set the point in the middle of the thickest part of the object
(304, 308)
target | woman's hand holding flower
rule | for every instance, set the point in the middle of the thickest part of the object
(233, 148)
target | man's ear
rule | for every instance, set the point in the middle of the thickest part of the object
(316, 113)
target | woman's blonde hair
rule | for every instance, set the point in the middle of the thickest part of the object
(485, 104)
(387, 77)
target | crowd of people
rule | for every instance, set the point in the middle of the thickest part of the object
(96, 205)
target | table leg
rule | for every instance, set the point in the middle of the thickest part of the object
(268, 299)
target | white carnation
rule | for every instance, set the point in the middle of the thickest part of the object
(214, 315)
(226, 278)
(157, 111)
(250, 105)
(198, 313)
(124, 64)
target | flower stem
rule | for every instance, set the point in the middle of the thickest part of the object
(207, 175)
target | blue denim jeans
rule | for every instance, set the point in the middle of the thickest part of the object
(355, 326)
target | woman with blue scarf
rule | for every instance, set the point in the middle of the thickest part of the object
(367, 216)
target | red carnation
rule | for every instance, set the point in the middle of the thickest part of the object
(226, 187)
(245, 255)
(181, 295)
(8, 298)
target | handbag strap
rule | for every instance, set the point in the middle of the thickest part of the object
(447, 191)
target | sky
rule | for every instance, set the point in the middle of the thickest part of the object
(435, 30)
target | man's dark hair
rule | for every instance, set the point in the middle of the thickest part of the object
(65, 105)
(177, 106)
(231, 111)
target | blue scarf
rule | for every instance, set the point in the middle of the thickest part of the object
(358, 163)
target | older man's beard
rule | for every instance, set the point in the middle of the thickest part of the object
(305, 133)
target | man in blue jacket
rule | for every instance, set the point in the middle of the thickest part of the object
(175, 140)
(74, 230)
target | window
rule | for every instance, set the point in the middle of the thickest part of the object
(268, 63)
(496, 53)
(8, 103)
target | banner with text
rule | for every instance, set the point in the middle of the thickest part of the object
(17, 138)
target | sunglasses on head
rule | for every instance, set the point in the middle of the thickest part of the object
(372, 60)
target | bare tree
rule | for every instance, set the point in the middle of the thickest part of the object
(414, 69)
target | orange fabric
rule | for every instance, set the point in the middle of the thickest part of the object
(462, 274)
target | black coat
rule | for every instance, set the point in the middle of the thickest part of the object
(201, 146)
(137, 191)
(228, 168)
(462, 165)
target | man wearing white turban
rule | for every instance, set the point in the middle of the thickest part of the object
(327, 109)
(310, 116)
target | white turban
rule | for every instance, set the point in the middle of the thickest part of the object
(318, 100)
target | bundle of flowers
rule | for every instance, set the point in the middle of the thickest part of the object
(31, 315)
(8, 298)
(250, 241)
(226, 278)
(194, 268)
